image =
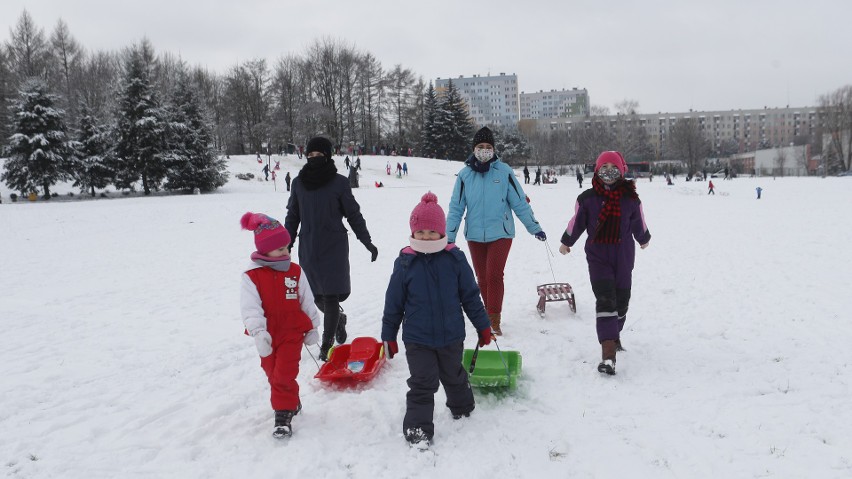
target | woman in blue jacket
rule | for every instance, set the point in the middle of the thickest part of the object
(487, 189)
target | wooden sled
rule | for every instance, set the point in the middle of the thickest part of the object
(555, 292)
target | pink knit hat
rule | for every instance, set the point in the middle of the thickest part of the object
(269, 234)
(613, 157)
(428, 215)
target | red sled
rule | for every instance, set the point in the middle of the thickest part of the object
(353, 363)
(555, 292)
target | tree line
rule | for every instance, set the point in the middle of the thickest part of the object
(134, 116)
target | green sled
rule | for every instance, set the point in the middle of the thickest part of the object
(490, 372)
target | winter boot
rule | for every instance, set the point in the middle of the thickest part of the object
(416, 437)
(495, 323)
(607, 365)
(282, 424)
(340, 334)
(325, 347)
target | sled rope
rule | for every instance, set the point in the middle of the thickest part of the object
(506, 366)
(549, 252)
(312, 356)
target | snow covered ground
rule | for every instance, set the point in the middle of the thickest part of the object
(123, 354)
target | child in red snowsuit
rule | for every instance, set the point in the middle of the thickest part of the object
(277, 307)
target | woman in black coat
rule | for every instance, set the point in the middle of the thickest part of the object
(319, 200)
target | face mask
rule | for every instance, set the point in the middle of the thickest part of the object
(316, 161)
(484, 155)
(609, 174)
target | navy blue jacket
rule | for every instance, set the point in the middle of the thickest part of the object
(426, 295)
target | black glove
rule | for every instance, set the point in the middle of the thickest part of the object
(374, 252)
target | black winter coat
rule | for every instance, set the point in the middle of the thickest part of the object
(323, 240)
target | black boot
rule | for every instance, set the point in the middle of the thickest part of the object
(283, 428)
(340, 334)
(325, 347)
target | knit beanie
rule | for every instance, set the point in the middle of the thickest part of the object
(613, 157)
(320, 144)
(428, 215)
(269, 234)
(484, 135)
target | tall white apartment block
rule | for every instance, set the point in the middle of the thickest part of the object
(491, 100)
(554, 104)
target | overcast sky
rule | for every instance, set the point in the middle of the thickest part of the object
(668, 55)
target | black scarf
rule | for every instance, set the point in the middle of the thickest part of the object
(315, 176)
(477, 165)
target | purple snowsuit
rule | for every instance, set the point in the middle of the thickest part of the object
(610, 265)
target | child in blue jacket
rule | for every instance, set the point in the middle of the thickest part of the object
(430, 285)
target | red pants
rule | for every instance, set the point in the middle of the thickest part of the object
(489, 261)
(281, 368)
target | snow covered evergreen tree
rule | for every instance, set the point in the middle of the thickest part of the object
(429, 144)
(94, 168)
(512, 146)
(40, 154)
(455, 128)
(191, 161)
(141, 128)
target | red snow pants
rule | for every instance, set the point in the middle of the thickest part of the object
(281, 368)
(489, 261)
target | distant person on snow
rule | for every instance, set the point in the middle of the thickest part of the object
(404, 168)
(486, 187)
(758, 190)
(579, 177)
(277, 308)
(710, 190)
(265, 171)
(320, 199)
(526, 175)
(433, 331)
(537, 176)
(611, 213)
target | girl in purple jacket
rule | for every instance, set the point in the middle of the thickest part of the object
(610, 212)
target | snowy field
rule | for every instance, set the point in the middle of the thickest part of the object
(123, 353)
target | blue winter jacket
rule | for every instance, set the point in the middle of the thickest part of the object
(426, 295)
(489, 198)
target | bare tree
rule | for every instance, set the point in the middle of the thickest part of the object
(68, 58)
(400, 81)
(688, 144)
(835, 110)
(28, 51)
(780, 162)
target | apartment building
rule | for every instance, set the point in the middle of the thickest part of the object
(746, 130)
(491, 100)
(554, 104)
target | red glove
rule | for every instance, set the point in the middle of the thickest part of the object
(391, 348)
(485, 336)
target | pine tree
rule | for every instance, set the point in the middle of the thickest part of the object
(94, 169)
(455, 128)
(141, 129)
(513, 147)
(192, 162)
(39, 152)
(430, 141)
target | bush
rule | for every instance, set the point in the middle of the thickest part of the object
(14, 197)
